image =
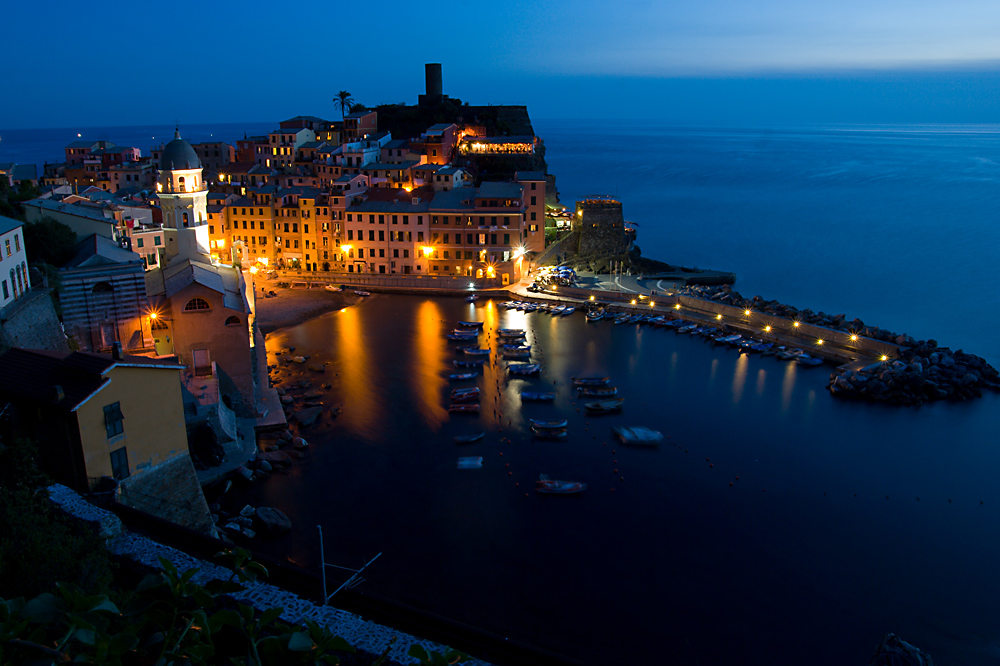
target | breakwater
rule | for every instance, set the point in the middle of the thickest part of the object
(921, 371)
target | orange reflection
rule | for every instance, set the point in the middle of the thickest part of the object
(787, 386)
(494, 376)
(740, 377)
(362, 409)
(430, 357)
(761, 376)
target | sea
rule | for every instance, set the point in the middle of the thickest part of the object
(775, 524)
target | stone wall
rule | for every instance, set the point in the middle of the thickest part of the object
(602, 227)
(32, 324)
(357, 631)
(169, 491)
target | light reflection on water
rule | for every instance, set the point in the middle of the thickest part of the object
(801, 543)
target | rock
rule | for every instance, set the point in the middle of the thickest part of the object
(215, 507)
(244, 472)
(312, 395)
(299, 455)
(300, 443)
(969, 379)
(247, 511)
(244, 521)
(273, 521)
(304, 383)
(308, 416)
(249, 533)
(277, 458)
(286, 435)
(215, 519)
(325, 386)
(235, 527)
(264, 466)
(279, 391)
(287, 359)
(287, 399)
(317, 367)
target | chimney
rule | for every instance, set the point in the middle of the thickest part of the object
(60, 394)
(116, 351)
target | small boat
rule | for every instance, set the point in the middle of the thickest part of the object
(604, 406)
(568, 311)
(467, 408)
(538, 396)
(470, 462)
(362, 293)
(621, 319)
(687, 328)
(515, 347)
(595, 315)
(728, 339)
(475, 351)
(465, 395)
(597, 391)
(463, 375)
(524, 368)
(806, 359)
(469, 439)
(511, 332)
(333, 287)
(471, 363)
(516, 355)
(637, 435)
(461, 336)
(539, 424)
(472, 298)
(471, 324)
(557, 310)
(591, 381)
(553, 486)
(549, 433)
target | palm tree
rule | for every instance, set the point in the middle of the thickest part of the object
(344, 100)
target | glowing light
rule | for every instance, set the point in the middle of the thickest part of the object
(153, 315)
(883, 357)
(253, 270)
(408, 188)
(78, 134)
(220, 243)
(854, 337)
(795, 324)
(718, 316)
(820, 341)
(651, 304)
(746, 313)
(519, 252)
(677, 306)
(767, 329)
(262, 260)
(591, 297)
(427, 250)
(346, 248)
(472, 285)
(633, 301)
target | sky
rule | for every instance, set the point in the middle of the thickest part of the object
(718, 61)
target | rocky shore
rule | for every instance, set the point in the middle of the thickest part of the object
(922, 371)
(289, 307)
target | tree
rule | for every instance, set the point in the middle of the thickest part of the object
(344, 100)
(358, 107)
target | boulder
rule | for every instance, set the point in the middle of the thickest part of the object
(273, 521)
(244, 472)
(287, 399)
(304, 383)
(317, 367)
(248, 533)
(300, 443)
(247, 511)
(307, 417)
(264, 466)
(277, 458)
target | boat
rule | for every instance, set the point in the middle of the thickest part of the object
(472, 298)
(515, 347)
(568, 311)
(465, 395)
(523, 355)
(524, 368)
(475, 351)
(463, 375)
(538, 396)
(604, 406)
(687, 328)
(549, 433)
(591, 381)
(471, 324)
(470, 462)
(333, 287)
(595, 315)
(621, 319)
(469, 408)
(472, 335)
(362, 293)
(471, 363)
(470, 438)
(553, 486)
(597, 391)
(557, 310)
(806, 359)
(510, 332)
(538, 424)
(637, 435)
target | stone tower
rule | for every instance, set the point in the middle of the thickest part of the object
(601, 226)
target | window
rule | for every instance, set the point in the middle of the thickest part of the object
(532, 199)
(17, 243)
(406, 255)
(533, 227)
(119, 463)
(533, 215)
(482, 239)
(395, 254)
(350, 234)
(113, 419)
(371, 234)
(102, 288)
(6, 294)
(7, 244)
(156, 240)
(138, 242)
(533, 185)
(196, 304)
(233, 321)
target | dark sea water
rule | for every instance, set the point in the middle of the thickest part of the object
(847, 521)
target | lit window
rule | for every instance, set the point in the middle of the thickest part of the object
(196, 304)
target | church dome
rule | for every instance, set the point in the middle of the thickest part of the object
(178, 154)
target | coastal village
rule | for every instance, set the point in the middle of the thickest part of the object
(146, 378)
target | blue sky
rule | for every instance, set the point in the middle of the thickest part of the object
(130, 63)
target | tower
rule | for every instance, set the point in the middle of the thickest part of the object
(183, 194)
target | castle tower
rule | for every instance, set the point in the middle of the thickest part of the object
(183, 194)
(601, 225)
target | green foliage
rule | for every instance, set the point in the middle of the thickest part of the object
(11, 199)
(344, 101)
(49, 241)
(244, 569)
(40, 546)
(436, 658)
(171, 621)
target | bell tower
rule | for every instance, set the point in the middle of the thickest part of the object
(183, 194)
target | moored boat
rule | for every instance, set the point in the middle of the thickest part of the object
(553, 486)
(603, 406)
(475, 351)
(470, 438)
(524, 368)
(362, 293)
(591, 381)
(471, 363)
(637, 435)
(554, 423)
(549, 433)
(470, 462)
(510, 332)
(463, 375)
(538, 396)
(472, 298)
(465, 395)
(468, 408)
(333, 287)
(568, 311)
(597, 391)
(471, 324)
